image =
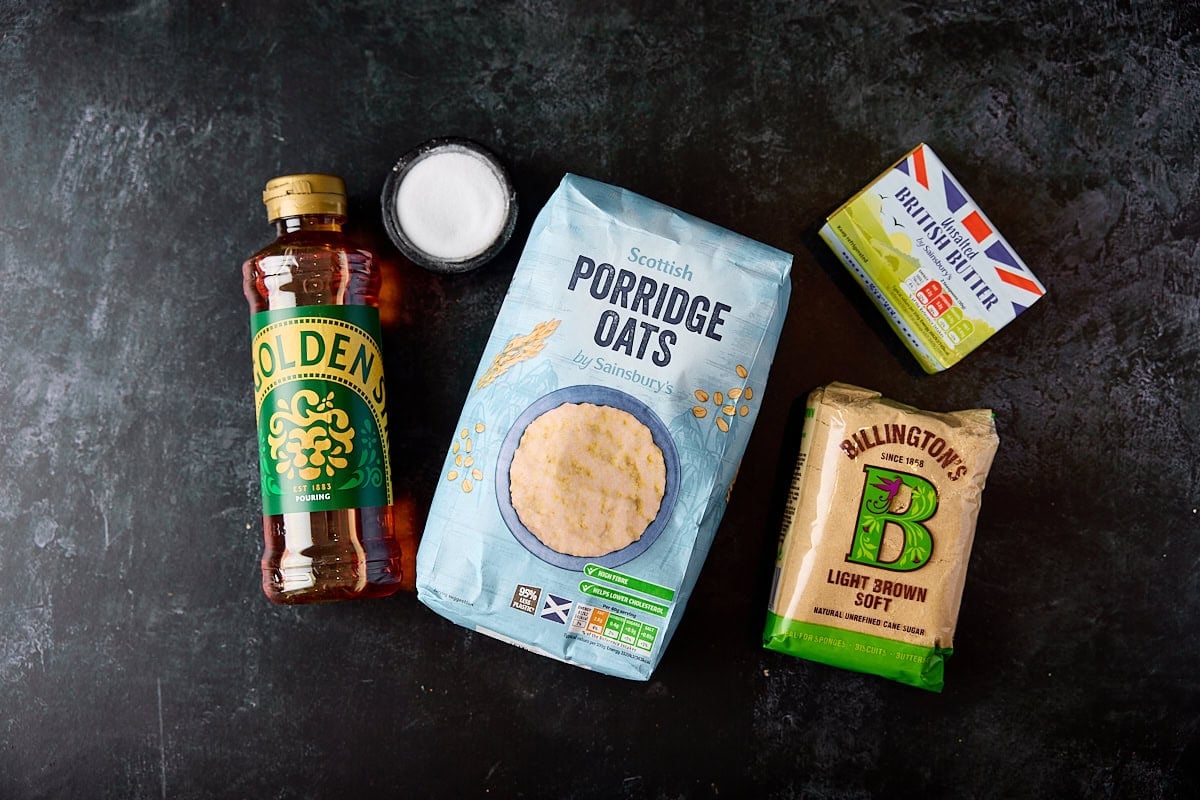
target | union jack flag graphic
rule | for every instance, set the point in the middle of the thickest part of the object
(1017, 283)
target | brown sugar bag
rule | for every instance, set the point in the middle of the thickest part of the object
(877, 533)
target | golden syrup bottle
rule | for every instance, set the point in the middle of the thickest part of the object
(319, 398)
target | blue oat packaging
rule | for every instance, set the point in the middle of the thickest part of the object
(600, 438)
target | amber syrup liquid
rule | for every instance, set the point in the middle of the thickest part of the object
(314, 557)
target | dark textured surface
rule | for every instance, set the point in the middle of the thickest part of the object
(138, 657)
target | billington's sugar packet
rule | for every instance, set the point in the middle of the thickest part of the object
(600, 438)
(877, 532)
(930, 260)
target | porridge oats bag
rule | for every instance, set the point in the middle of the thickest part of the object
(877, 533)
(602, 432)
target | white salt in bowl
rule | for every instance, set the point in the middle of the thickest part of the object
(449, 205)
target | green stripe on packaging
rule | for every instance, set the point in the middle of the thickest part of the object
(624, 598)
(628, 581)
(916, 665)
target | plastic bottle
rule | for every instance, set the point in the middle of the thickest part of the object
(320, 402)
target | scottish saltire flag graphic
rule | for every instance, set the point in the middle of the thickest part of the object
(556, 609)
(1017, 284)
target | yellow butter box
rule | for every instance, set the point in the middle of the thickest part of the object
(931, 260)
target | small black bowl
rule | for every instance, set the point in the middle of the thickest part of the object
(391, 219)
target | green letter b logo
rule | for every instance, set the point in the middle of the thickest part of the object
(875, 513)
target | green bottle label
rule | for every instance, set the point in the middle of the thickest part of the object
(319, 401)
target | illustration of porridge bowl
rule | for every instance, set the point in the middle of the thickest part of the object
(587, 475)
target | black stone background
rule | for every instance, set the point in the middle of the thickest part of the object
(138, 657)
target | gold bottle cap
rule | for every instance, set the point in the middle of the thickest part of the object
(292, 195)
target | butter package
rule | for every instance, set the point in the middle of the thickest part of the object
(877, 533)
(930, 259)
(598, 444)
